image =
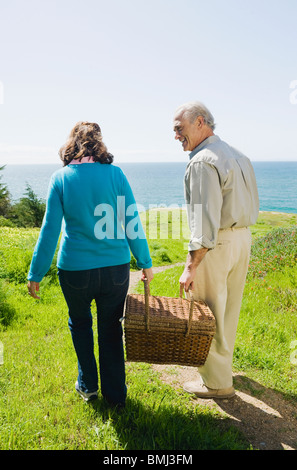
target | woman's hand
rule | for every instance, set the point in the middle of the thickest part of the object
(147, 275)
(33, 287)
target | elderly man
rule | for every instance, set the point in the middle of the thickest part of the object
(222, 202)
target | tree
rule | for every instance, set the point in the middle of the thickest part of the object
(5, 203)
(29, 211)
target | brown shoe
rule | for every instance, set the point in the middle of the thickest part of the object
(202, 391)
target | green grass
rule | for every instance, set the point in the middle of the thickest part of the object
(39, 408)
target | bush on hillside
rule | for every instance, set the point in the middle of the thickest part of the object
(29, 211)
(4, 222)
(273, 252)
(5, 202)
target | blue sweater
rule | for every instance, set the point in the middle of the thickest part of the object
(101, 223)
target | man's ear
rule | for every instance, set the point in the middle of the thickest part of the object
(199, 121)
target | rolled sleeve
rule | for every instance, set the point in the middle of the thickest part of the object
(204, 203)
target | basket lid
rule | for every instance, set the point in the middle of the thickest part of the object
(168, 312)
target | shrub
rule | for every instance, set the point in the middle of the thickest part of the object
(133, 263)
(4, 198)
(29, 211)
(163, 256)
(273, 252)
(6, 222)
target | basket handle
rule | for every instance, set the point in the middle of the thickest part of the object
(181, 291)
(147, 304)
(147, 307)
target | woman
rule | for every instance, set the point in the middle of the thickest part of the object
(100, 218)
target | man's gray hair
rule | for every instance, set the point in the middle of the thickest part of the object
(193, 109)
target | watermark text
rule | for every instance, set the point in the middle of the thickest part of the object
(161, 221)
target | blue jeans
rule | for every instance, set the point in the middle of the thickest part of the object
(109, 287)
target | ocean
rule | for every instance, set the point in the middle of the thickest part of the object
(161, 184)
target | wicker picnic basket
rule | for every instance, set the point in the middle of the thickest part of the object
(165, 330)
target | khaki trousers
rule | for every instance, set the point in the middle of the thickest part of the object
(220, 281)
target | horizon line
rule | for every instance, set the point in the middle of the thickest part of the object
(140, 162)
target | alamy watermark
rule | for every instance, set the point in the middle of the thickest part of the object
(1, 93)
(161, 221)
(293, 94)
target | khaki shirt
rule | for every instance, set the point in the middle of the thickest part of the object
(220, 192)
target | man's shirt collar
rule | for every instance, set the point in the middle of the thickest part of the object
(204, 143)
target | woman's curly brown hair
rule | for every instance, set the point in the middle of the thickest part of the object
(85, 140)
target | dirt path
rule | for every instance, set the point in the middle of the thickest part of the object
(135, 276)
(268, 420)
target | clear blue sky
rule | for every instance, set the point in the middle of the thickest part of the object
(128, 64)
